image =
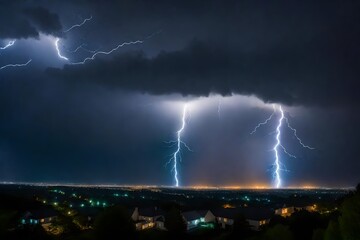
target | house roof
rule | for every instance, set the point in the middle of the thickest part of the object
(256, 213)
(191, 215)
(150, 212)
(226, 212)
(248, 213)
(203, 213)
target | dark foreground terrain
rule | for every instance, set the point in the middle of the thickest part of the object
(90, 212)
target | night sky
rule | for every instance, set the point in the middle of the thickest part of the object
(109, 120)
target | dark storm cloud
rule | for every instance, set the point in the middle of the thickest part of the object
(45, 21)
(294, 53)
(290, 77)
(20, 21)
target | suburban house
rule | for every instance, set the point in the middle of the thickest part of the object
(39, 216)
(192, 218)
(203, 218)
(148, 218)
(207, 215)
(225, 216)
(256, 217)
(286, 211)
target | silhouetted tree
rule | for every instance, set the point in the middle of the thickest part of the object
(318, 234)
(241, 226)
(332, 231)
(277, 219)
(358, 188)
(303, 223)
(174, 222)
(278, 232)
(114, 223)
(349, 221)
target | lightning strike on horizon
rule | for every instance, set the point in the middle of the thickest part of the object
(16, 65)
(177, 154)
(78, 25)
(278, 143)
(278, 165)
(10, 43)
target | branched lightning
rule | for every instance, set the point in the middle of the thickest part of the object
(16, 65)
(11, 43)
(296, 136)
(278, 165)
(265, 122)
(78, 25)
(107, 53)
(176, 156)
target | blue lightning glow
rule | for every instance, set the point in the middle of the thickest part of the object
(278, 143)
(176, 156)
(11, 43)
(58, 50)
(16, 65)
(78, 25)
(278, 165)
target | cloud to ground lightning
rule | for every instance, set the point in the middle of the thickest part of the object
(176, 156)
(278, 165)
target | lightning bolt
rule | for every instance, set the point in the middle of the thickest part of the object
(58, 50)
(78, 25)
(11, 43)
(278, 143)
(177, 154)
(96, 53)
(265, 122)
(278, 165)
(296, 136)
(16, 65)
(107, 53)
(82, 46)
